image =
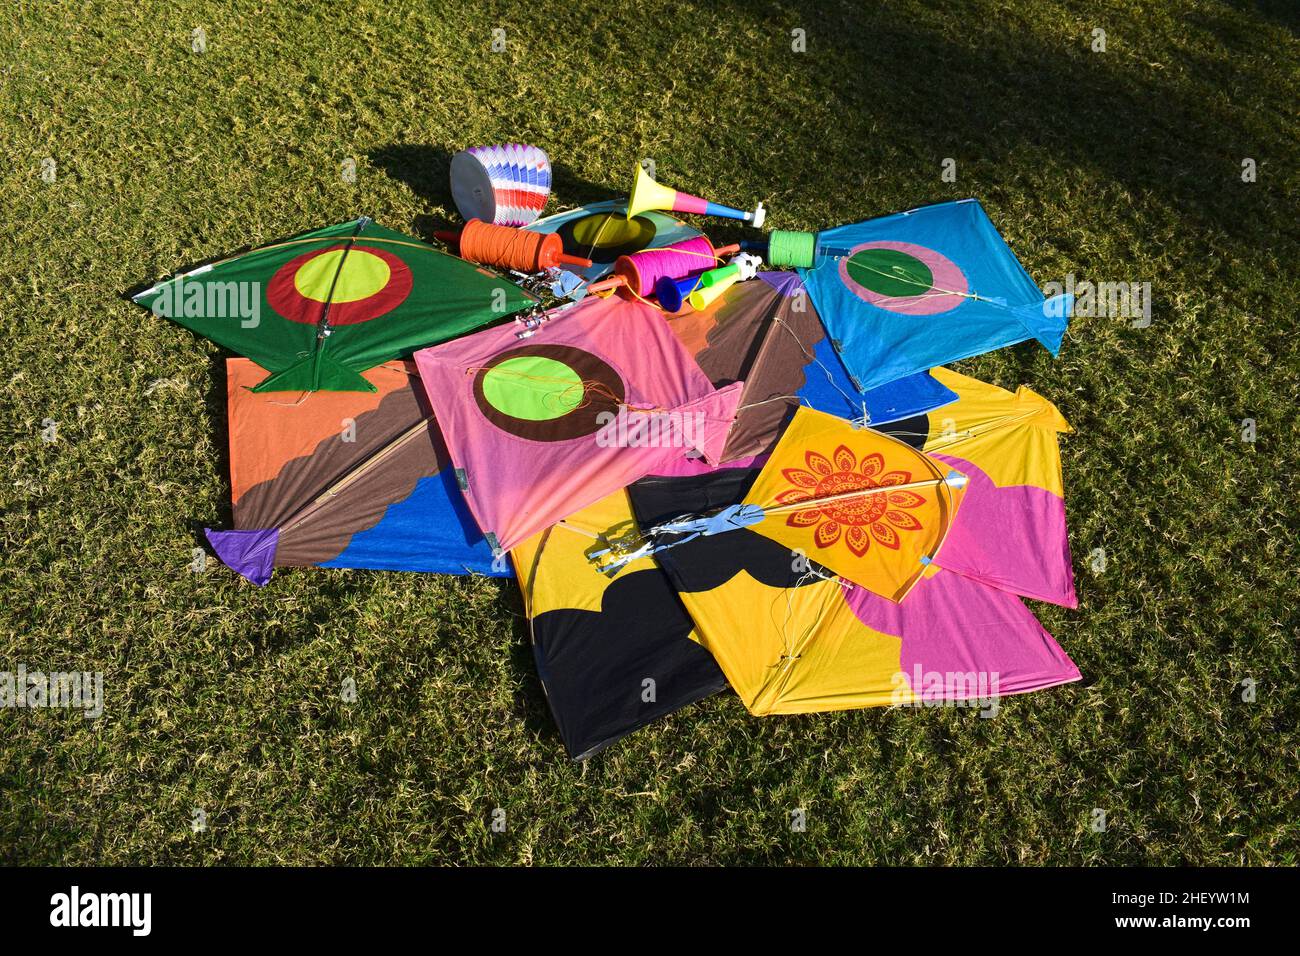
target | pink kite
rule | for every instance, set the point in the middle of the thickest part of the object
(1010, 532)
(600, 395)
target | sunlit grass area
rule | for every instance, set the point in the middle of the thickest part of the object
(128, 154)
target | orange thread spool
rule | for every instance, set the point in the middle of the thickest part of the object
(510, 248)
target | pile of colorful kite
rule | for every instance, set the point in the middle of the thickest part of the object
(702, 473)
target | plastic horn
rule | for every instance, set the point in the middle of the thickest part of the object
(717, 281)
(672, 293)
(648, 194)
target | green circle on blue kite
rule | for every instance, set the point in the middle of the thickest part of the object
(890, 272)
(903, 277)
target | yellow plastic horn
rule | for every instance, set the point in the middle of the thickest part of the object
(717, 281)
(648, 194)
(703, 296)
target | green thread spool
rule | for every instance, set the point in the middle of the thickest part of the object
(796, 249)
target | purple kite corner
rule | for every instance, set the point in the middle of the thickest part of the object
(249, 553)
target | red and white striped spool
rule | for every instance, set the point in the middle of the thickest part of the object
(505, 185)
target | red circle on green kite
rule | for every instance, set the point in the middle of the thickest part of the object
(358, 282)
(903, 277)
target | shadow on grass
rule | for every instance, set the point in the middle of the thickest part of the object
(217, 409)
(530, 703)
(1285, 13)
(1019, 100)
(426, 169)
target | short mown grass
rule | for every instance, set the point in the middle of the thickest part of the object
(220, 697)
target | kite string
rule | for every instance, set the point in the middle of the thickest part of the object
(864, 420)
(955, 436)
(775, 398)
(302, 398)
(600, 234)
(789, 658)
(631, 291)
(958, 436)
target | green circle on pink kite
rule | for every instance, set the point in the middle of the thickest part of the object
(533, 388)
(903, 277)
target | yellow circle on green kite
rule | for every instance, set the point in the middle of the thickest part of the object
(363, 275)
(533, 388)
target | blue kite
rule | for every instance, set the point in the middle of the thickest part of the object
(923, 288)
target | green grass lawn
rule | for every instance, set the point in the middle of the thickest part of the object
(1116, 165)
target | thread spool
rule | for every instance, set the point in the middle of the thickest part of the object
(638, 272)
(797, 249)
(641, 270)
(801, 250)
(508, 248)
(506, 185)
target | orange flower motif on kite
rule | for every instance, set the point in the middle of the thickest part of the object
(857, 519)
(863, 494)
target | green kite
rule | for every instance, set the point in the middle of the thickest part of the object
(319, 309)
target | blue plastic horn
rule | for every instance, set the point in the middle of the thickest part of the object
(672, 293)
